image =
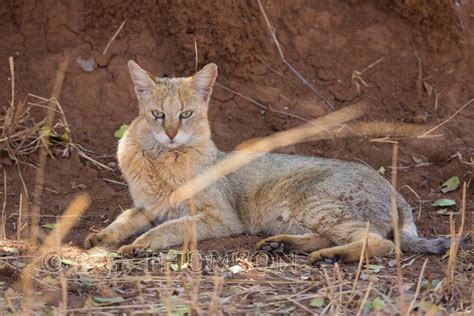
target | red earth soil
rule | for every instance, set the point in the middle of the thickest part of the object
(326, 41)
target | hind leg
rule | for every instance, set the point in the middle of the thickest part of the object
(302, 243)
(350, 252)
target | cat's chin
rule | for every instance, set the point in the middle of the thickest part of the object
(171, 145)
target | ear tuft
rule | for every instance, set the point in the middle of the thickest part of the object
(203, 81)
(143, 83)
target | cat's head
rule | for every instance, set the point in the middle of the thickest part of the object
(173, 111)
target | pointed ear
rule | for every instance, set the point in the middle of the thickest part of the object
(203, 81)
(143, 83)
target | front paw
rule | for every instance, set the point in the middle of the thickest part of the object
(269, 245)
(132, 251)
(95, 240)
(325, 256)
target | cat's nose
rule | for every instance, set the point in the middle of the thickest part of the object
(171, 134)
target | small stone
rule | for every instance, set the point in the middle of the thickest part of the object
(236, 269)
(86, 64)
(328, 260)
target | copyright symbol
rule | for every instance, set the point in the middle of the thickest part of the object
(52, 262)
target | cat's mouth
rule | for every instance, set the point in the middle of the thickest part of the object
(172, 144)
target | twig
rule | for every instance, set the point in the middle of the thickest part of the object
(4, 221)
(25, 188)
(455, 242)
(196, 58)
(417, 196)
(113, 37)
(21, 216)
(115, 182)
(75, 209)
(448, 119)
(418, 286)
(12, 71)
(85, 156)
(282, 56)
(436, 102)
(419, 80)
(361, 260)
(378, 61)
(43, 155)
(366, 296)
(263, 106)
(395, 227)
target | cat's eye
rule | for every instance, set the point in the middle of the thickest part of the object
(158, 115)
(185, 114)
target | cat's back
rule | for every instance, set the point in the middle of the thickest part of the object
(298, 182)
(273, 165)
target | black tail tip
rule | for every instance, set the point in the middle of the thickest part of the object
(443, 244)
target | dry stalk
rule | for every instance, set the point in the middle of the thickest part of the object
(366, 296)
(447, 120)
(418, 286)
(196, 57)
(246, 153)
(39, 179)
(25, 188)
(21, 222)
(261, 105)
(4, 218)
(456, 239)
(329, 289)
(114, 36)
(361, 260)
(282, 56)
(419, 80)
(75, 209)
(337, 273)
(12, 72)
(417, 196)
(395, 228)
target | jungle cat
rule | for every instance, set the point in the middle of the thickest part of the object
(313, 205)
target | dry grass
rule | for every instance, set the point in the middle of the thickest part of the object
(150, 285)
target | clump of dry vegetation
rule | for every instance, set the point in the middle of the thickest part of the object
(21, 135)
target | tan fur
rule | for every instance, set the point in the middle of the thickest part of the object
(308, 204)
